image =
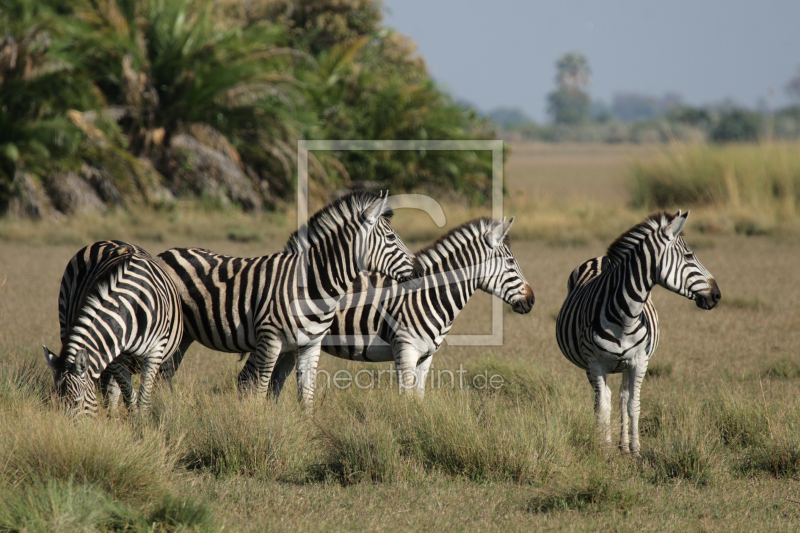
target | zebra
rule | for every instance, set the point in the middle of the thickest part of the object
(382, 320)
(608, 323)
(285, 301)
(117, 307)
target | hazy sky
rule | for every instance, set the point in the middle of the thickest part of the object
(502, 52)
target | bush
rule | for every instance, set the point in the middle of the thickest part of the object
(134, 101)
(737, 125)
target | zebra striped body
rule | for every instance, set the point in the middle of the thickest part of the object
(608, 323)
(117, 307)
(285, 301)
(382, 320)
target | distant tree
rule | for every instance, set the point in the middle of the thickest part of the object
(793, 87)
(599, 112)
(737, 125)
(630, 107)
(569, 103)
(509, 117)
(694, 116)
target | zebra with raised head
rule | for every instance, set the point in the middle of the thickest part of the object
(117, 307)
(285, 301)
(382, 320)
(608, 323)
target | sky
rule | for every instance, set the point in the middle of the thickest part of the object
(494, 53)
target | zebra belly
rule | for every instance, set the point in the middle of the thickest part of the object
(370, 349)
(620, 358)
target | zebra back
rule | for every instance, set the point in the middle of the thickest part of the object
(91, 262)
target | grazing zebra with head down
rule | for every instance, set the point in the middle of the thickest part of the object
(285, 301)
(116, 307)
(382, 320)
(608, 323)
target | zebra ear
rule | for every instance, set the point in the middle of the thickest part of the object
(51, 357)
(496, 235)
(375, 210)
(674, 228)
(81, 362)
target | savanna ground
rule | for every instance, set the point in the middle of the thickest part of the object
(720, 406)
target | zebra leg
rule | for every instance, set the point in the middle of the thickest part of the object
(118, 380)
(624, 396)
(258, 369)
(122, 376)
(170, 366)
(109, 390)
(635, 387)
(307, 359)
(150, 364)
(406, 357)
(282, 370)
(602, 404)
(422, 374)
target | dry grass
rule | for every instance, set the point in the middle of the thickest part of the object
(720, 418)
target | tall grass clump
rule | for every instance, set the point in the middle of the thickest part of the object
(684, 447)
(361, 440)
(24, 383)
(595, 486)
(518, 381)
(46, 506)
(228, 435)
(489, 439)
(376, 436)
(775, 450)
(740, 420)
(759, 178)
(130, 463)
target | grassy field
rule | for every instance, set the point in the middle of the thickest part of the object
(720, 413)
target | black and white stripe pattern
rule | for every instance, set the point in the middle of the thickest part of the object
(117, 308)
(382, 320)
(608, 323)
(285, 301)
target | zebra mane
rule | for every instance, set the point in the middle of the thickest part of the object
(333, 216)
(455, 238)
(631, 238)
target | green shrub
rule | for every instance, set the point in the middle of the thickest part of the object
(737, 125)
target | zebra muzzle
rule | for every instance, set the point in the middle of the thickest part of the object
(711, 299)
(524, 304)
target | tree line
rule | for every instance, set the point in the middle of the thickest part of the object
(635, 117)
(115, 103)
